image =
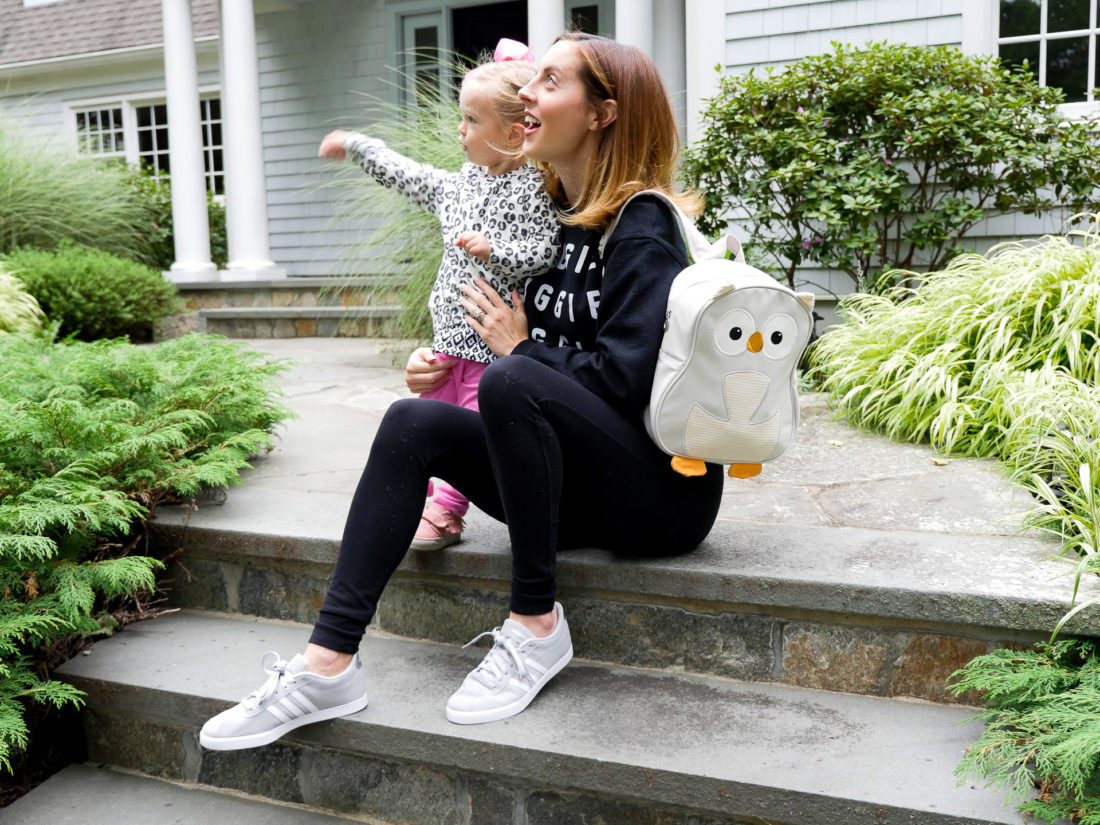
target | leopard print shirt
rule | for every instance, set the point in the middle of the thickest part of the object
(512, 210)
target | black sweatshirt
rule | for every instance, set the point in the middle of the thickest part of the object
(600, 321)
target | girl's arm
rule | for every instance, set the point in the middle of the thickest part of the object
(531, 248)
(420, 183)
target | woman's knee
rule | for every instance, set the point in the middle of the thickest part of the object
(507, 380)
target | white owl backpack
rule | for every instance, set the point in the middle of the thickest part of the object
(724, 390)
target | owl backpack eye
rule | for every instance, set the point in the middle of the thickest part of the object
(733, 330)
(780, 333)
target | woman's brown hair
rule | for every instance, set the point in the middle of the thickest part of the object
(638, 150)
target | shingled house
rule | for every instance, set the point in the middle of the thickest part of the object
(234, 95)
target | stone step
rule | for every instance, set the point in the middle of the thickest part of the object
(293, 307)
(91, 795)
(603, 743)
(299, 322)
(852, 564)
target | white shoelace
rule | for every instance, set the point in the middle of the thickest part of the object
(276, 673)
(494, 667)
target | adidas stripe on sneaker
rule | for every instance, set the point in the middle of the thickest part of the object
(290, 698)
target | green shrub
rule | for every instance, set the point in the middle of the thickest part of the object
(1042, 728)
(402, 242)
(94, 294)
(50, 193)
(882, 157)
(999, 356)
(156, 241)
(19, 312)
(92, 438)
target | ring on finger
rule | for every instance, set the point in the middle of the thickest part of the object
(479, 316)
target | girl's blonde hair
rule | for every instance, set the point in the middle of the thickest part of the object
(638, 150)
(502, 82)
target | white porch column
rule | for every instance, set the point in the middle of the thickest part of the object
(634, 24)
(705, 44)
(190, 225)
(669, 55)
(545, 21)
(245, 189)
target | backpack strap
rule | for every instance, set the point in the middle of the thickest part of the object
(698, 247)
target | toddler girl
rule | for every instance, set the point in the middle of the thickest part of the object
(497, 223)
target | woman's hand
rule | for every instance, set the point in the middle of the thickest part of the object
(424, 372)
(498, 325)
(332, 147)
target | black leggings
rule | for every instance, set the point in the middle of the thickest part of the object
(552, 460)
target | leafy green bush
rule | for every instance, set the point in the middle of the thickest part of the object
(882, 157)
(404, 241)
(999, 356)
(92, 438)
(50, 193)
(94, 294)
(1042, 727)
(19, 312)
(156, 242)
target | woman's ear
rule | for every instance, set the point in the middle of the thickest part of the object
(609, 111)
(603, 115)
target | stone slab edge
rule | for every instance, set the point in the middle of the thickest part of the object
(935, 580)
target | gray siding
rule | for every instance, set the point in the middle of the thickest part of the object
(41, 104)
(774, 32)
(315, 63)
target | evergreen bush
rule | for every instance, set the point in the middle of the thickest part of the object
(50, 192)
(1042, 729)
(882, 157)
(94, 294)
(93, 436)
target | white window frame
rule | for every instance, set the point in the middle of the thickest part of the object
(129, 104)
(981, 35)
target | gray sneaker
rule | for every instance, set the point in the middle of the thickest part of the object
(512, 674)
(290, 698)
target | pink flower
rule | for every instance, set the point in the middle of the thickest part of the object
(909, 138)
(889, 162)
(799, 110)
(805, 244)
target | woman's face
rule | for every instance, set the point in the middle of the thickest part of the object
(562, 126)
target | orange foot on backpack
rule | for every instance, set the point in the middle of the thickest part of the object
(688, 466)
(744, 470)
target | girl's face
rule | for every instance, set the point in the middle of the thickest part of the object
(562, 126)
(483, 135)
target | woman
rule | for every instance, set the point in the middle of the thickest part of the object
(558, 451)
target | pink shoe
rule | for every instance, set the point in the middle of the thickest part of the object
(439, 528)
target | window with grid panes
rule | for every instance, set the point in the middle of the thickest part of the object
(1057, 39)
(102, 131)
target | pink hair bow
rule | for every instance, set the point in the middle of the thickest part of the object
(508, 49)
